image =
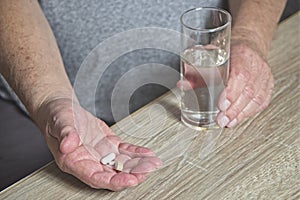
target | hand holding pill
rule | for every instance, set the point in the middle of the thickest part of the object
(109, 159)
(87, 148)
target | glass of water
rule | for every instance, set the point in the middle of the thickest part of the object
(205, 50)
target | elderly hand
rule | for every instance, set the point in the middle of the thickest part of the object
(78, 141)
(249, 87)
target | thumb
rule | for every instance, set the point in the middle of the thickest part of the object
(56, 120)
(63, 129)
(69, 140)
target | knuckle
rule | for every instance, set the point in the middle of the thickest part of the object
(259, 99)
(265, 104)
(264, 81)
(272, 88)
(250, 112)
(243, 75)
(241, 116)
(249, 92)
(272, 83)
(233, 111)
(65, 130)
(269, 97)
(270, 92)
(253, 111)
(265, 70)
(229, 94)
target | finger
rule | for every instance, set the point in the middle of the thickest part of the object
(242, 101)
(191, 83)
(123, 159)
(112, 181)
(64, 132)
(258, 103)
(104, 128)
(252, 106)
(266, 89)
(196, 79)
(61, 124)
(236, 84)
(69, 142)
(141, 177)
(224, 118)
(270, 90)
(123, 180)
(102, 146)
(200, 78)
(142, 165)
(192, 78)
(105, 180)
(106, 145)
(130, 164)
(184, 85)
(108, 168)
(255, 90)
(135, 151)
(147, 165)
(53, 145)
(265, 104)
(94, 174)
(261, 99)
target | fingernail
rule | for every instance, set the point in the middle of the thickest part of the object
(232, 123)
(225, 104)
(223, 121)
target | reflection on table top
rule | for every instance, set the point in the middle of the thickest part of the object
(259, 159)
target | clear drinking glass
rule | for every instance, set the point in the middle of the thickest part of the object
(205, 49)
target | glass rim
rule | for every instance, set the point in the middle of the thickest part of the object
(207, 29)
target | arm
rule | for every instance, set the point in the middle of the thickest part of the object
(250, 83)
(254, 21)
(31, 63)
(30, 60)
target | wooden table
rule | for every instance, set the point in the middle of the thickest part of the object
(259, 159)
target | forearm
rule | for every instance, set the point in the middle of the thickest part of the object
(29, 57)
(255, 22)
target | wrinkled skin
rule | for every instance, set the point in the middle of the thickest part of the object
(248, 90)
(78, 141)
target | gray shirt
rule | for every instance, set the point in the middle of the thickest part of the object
(79, 26)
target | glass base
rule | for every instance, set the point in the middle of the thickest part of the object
(200, 121)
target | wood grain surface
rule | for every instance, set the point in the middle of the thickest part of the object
(259, 159)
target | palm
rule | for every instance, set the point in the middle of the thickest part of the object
(83, 143)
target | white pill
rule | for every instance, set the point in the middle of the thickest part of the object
(118, 166)
(108, 158)
(111, 163)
